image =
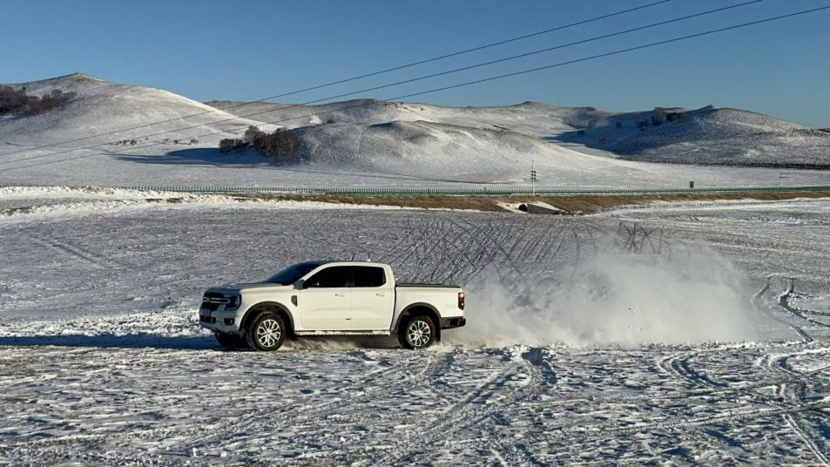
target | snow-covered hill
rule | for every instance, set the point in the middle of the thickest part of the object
(530, 118)
(104, 107)
(728, 136)
(708, 136)
(132, 135)
(425, 149)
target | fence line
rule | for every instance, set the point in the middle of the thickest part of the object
(438, 191)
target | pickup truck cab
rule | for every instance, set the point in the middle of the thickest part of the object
(321, 298)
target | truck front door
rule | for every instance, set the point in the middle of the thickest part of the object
(324, 301)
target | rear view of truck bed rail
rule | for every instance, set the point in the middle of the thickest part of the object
(437, 286)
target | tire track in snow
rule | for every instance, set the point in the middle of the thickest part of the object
(777, 365)
(811, 443)
(78, 253)
(200, 437)
(793, 391)
(784, 302)
(806, 338)
(367, 388)
(678, 366)
(465, 414)
(282, 414)
(596, 431)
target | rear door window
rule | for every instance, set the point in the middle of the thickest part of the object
(369, 276)
(333, 277)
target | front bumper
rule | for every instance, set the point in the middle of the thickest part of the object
(226, 322)
(449, 323)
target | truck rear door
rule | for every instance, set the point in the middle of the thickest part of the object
(373, 298)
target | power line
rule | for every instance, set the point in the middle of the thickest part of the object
(407, 81)
(346, 80)
(484, 80)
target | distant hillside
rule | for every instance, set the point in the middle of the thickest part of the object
(711, 136)
(177, 140)
(530, 118)
(438, 150)
(708, 136)
(103, 107)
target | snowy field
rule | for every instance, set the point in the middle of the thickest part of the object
(680, 334)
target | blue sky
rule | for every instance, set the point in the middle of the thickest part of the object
(249, 49)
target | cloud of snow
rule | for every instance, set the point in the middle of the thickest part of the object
(615, 298)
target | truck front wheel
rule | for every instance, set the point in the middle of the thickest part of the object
(266, 332)
(418, 332)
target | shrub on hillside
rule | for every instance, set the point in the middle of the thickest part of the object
(13, 101)
(675, 117)
(17, 102)
(252, 134)
(54, 100)
(281, 144)
(230, 144)
(658, 116)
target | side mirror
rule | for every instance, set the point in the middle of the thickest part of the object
(299, 285)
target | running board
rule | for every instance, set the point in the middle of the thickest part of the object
(343, 333)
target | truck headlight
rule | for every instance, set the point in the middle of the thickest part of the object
(233, 302)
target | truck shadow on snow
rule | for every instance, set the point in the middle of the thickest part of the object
(112, 341)
(155, 341)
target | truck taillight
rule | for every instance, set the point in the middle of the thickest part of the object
(462, 300)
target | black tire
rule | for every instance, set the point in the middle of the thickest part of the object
(266, 332)
(417, 332)
(231, 341)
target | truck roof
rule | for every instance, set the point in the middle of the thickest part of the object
(347, 263)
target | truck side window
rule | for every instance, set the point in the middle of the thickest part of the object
(338, 276)
(368, 276)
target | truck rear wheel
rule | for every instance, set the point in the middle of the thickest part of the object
(231, 341)
(418, 332)
(266, 332)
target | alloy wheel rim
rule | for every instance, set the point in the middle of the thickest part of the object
(419, 333)
(268, 333)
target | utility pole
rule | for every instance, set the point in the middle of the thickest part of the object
(533, 177)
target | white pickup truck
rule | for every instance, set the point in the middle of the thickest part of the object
(320, 298)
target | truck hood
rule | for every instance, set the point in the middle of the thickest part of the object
(237, 288)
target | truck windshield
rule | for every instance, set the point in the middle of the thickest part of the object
(293, 273)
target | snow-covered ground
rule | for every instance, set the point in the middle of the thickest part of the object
(678, 334)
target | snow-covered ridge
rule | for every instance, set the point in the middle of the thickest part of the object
(728, 136)
(104, 107)
(367, 142)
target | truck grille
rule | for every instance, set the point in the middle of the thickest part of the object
(212, 300)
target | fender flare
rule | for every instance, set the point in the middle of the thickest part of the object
(406, 312)
(284, 309)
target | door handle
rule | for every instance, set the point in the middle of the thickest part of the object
(380, 295)
(339, 295)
